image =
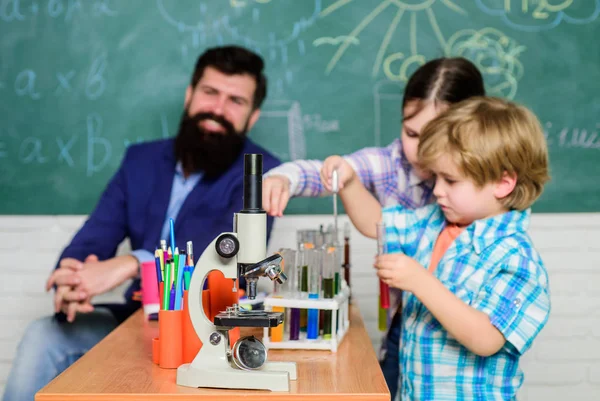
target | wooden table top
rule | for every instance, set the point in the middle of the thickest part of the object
(120, 368)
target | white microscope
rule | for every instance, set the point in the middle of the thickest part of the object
(243, 366)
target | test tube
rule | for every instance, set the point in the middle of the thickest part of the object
(329, 262)
(321, 239)
(384, 290)
(331, 245)
(288, 265)
(289, 289)
(295, 313)
(314, 289)
(347, 255)
(382, 318)
(307, 239)
(338, 269)
(303, 262)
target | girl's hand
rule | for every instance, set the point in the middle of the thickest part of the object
(345, 172)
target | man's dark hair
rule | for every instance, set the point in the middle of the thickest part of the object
(234, 60)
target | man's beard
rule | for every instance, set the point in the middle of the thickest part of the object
(210, 153)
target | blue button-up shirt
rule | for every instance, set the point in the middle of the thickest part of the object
(493, 267)
(180, 190)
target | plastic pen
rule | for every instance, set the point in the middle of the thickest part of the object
(167, 285)
(179, 285)
(157, 263)
(172, 233)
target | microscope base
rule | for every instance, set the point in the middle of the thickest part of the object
(274, 376)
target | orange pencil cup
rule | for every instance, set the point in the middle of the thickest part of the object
(170, 328)
(156, 350)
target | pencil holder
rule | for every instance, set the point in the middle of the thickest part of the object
(170, 327)
(156, 350)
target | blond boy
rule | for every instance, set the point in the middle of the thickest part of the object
(475, 290)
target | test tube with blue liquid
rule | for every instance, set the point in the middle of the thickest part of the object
(314, 290)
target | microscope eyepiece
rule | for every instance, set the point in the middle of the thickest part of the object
(253, 168)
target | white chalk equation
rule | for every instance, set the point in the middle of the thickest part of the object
(86, 147)
(316, 123)
(266, 27)
(62, 149)
(573, 137)
(539, 15)
(262, 28)
(18, 11)
(90, 81)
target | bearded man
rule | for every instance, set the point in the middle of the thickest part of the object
(195, 178)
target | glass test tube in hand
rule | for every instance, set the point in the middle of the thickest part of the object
(384, 290)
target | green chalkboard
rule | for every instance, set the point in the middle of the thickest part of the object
(82, 79)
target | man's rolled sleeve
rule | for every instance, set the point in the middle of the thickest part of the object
(517, 300)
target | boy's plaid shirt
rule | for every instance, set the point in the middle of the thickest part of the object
(493, 267)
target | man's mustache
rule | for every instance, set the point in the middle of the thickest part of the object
(199, 117)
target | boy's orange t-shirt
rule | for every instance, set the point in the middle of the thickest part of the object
(446, 237)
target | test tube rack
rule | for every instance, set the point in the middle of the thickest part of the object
(340, 320)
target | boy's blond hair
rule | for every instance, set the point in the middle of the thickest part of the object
(487, 137)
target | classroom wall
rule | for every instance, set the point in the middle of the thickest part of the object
(563, 364)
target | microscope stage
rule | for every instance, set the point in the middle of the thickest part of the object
(252, 319)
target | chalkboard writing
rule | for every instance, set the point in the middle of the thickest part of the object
(80, 80)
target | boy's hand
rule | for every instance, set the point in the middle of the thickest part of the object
(398, 270)
(345, 172)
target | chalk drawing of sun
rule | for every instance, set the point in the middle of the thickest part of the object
(402, 9)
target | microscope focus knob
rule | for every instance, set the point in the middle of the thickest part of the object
(275, 273)
(227, 246)
(249, 353)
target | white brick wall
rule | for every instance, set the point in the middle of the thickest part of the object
(563, 364)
